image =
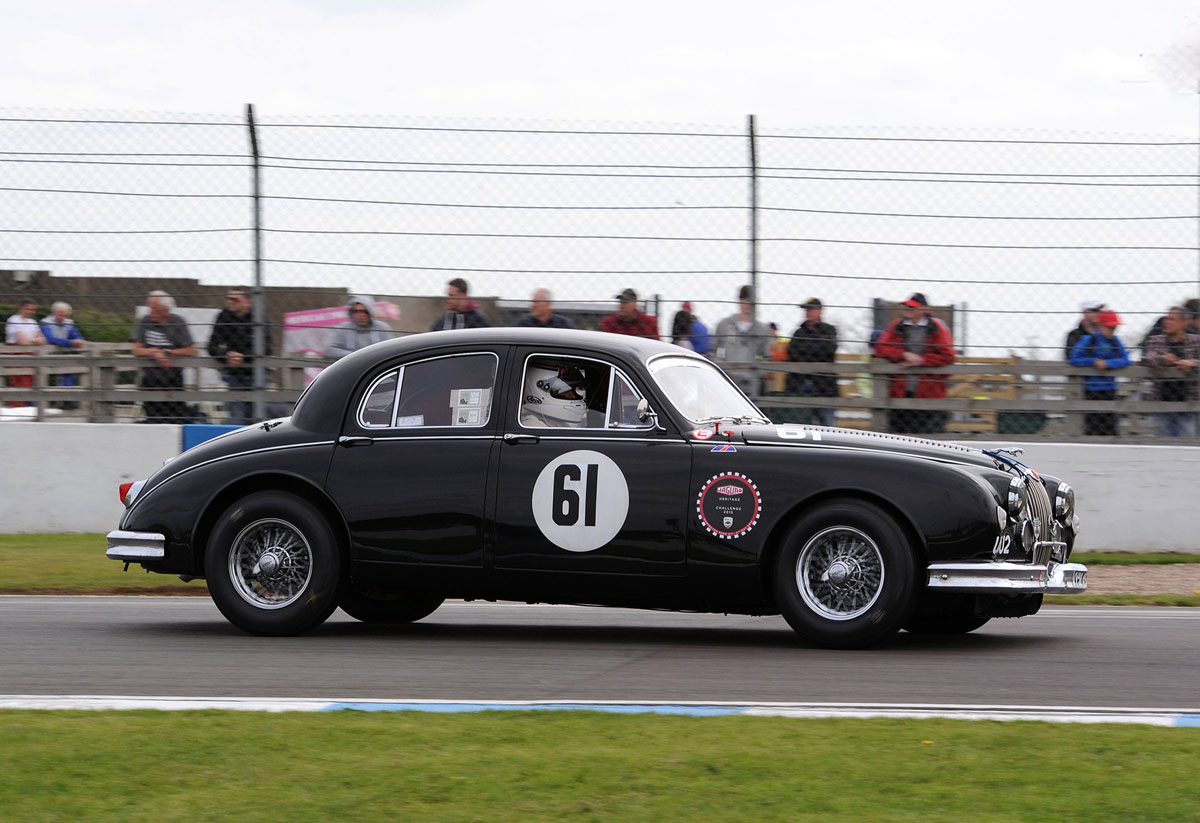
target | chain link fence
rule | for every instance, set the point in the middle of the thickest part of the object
(1005, 235)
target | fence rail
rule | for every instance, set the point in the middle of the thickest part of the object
(1037, 399)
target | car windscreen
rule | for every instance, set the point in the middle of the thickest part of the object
(699, 390)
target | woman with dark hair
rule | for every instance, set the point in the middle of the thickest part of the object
(681, 329)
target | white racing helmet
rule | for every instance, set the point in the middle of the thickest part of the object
(554, 395)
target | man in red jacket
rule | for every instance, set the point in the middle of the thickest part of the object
(916, 340)
(628, 320)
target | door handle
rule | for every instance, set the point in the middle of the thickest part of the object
(514, 439)
(354, 442)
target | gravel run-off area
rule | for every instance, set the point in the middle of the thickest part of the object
(1174, 578)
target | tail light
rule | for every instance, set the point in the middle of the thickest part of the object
(128, 492)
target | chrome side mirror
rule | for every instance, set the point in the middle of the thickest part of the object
(644, 412)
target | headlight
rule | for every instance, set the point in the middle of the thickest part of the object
(1064, 503)
(1018, 496)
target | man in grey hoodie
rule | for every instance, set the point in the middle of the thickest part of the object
(360, 331)
(740, 338)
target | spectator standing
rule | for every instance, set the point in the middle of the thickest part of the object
(1191, 313)
(681, 329)
(161, 335)
(542, 315)
(814, 341)
(1087, 325)
(61, 332)
(742, 339)
(628, 320)
(232, 344)
(1175, 354)
(461, 311)
(22, 330)
(361, 330)
(1103, 350)
(701, 342)
(917, 340)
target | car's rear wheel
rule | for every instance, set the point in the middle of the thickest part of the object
(272, 565)
(374, 604)
(846, 575)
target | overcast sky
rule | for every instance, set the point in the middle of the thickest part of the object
(1082, 65)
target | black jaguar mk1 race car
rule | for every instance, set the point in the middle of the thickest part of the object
(577, 467)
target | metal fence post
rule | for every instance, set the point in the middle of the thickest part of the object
(753, 140)
(260, 312)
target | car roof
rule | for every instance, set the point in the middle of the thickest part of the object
(325, 402)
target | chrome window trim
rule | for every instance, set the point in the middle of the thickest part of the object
(613, 367)
(401, 439)
(612, 395)
(362, 406)
(400, 370)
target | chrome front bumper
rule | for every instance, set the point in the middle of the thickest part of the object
(1008, 578)
(134, 547)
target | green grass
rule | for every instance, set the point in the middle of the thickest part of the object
(76, 563)
(552, 766)
(201, 766)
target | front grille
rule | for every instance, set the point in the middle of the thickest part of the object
(1042, 514)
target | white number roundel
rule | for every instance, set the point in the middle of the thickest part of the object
(580, 500)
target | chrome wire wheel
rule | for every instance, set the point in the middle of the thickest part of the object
(840, 573)
(270, 563)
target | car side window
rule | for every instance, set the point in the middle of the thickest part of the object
(623, 409)
(454, 391)
(380, 405)
(564, 392)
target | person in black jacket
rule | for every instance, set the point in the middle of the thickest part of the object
(461, 311)
(1091, 310)
(814, 342)
(232, 344)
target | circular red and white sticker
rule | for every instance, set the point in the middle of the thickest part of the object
(704, 434)
(729, 505)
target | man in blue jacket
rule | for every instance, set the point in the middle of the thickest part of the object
(1103, 350)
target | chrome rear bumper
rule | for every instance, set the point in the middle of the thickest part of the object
(133, 547)
(1008, 578)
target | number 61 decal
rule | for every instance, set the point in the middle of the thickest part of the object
(580, 500)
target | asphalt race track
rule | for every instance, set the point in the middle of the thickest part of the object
(175, 646)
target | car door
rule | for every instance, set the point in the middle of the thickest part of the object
(411, 469)
(583, 485)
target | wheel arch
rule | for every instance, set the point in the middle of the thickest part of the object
(776, 539)
(268, 481)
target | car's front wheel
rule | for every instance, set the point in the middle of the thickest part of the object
(272, 565)
(373, 604)
(846, 575)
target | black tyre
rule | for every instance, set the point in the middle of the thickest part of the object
(373, 604)
(846, 575)
(272, 565)
(944, 624)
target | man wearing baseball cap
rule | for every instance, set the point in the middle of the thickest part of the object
(628, 320)
(1087, 325)
(1102, 350)
(916, 340)
(814, 341)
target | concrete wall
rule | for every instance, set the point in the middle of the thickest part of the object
(63, 477)
(1133, 498)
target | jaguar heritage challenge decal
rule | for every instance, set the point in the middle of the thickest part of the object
(729, 505)
(580, 500)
